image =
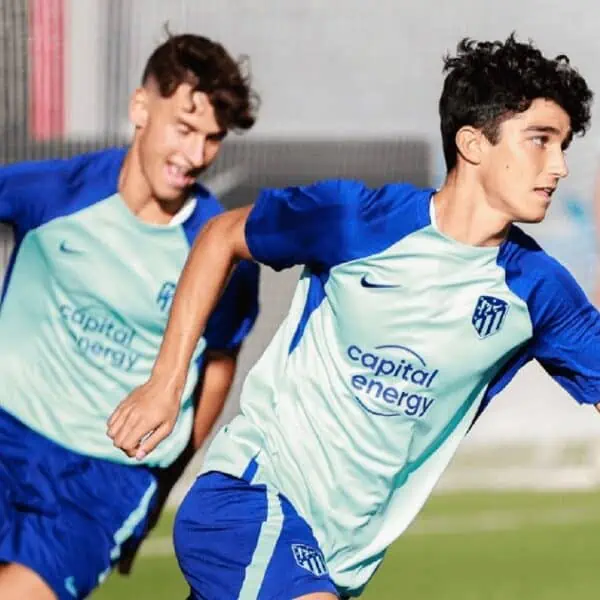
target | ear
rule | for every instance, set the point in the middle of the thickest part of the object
(138, 108)
(469, 144)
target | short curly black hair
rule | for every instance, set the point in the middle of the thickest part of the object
(488, 82)
(209, 68)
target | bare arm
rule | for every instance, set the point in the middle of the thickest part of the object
(218, 247)
(211, 393)
(219, 373)
(149, 413)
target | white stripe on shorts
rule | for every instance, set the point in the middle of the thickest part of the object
(265, 546)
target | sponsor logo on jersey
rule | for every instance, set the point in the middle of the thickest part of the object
(101, 335)
(392, 380)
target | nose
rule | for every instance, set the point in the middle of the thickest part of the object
(558, 164)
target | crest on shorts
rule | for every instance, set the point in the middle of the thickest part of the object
(489, 315)
(310, 559)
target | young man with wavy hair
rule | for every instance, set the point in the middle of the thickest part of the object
(414, 309)
(100, 243)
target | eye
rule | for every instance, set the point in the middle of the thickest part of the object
(540, 140)
(216, 137)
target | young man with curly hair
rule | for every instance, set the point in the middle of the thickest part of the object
(414, 309)
(100, 243)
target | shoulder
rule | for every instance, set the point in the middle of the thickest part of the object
(352, 194)
(43, 190)
(523, 258)
(546, 285)
(66, 172)
(207, 206)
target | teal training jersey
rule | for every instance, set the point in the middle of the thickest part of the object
(397, 338)
(86, 299)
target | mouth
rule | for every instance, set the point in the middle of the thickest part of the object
(545, 192)
(178, 177)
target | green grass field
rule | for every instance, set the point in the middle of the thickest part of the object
(495, 546)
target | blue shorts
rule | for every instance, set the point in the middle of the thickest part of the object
(235, 539)
(64, 515)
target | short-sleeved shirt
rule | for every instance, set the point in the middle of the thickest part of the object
(86, 298)
(397, 338)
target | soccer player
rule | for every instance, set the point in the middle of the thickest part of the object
(100, 243)
(414, 309)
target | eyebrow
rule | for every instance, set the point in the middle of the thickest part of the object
(543, 129)
(220, 134)
(184, 119)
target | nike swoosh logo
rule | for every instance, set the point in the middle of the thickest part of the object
(64, 248)
(369, 284)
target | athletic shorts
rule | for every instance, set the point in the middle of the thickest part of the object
(65, 515)
(238, 540)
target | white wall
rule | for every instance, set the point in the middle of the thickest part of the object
(352, 68)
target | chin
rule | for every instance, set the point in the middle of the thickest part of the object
(169, 195)
(532, 218)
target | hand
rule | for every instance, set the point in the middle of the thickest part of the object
(145, 418)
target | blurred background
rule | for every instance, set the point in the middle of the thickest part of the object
(350, 88)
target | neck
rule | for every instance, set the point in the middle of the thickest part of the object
(463, 212)
(137, 193)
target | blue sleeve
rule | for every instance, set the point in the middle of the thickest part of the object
(17, 191)
(331, 222)
(237, 310)
(29, 190)
(566, 339)
(35, 192)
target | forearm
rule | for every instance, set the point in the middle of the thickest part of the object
(212, 394)
(204, 276)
